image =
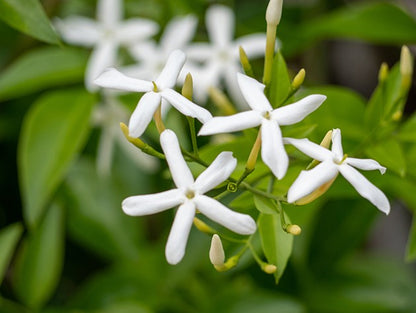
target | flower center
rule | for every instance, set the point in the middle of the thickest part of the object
(190, 194)
(339, 160)
(267, 115)
(155, 89)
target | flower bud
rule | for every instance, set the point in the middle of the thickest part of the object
(216, 252)
(245, 62)
(274, 12)
(406, 67)
(383, 72)
(299, 78)
(269, 268)
(202, 227)
(187, 88)
(293, 229)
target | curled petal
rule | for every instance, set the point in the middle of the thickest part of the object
(220, 25)
(216, 173)
(109, 12)
(170, 73)
(295, 112)
(253, 45)
(185, 26)
(135, 29)
(309, 181)
(185, 106)
(143, 113)
(309, 148)
(154, 203)
(365, 188)
(179, 169)
(365, 164)
(178, 236)
(252, 91)
(79, 30)
(111, 78)
(103, 56)
(336, 144)
(237, 222)
(232, 123)
(273, 151)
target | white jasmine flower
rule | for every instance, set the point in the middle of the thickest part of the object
(221, 57)
(269, 119)
(332, 163)
(189, 195)
(105, 35)
(156, 90)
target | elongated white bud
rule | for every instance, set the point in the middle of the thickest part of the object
(274, 12)
(216, 252)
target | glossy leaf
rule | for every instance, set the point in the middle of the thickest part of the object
(389, 153)
(40, 69)
(9, 238)
(53, 132)
(280, 83)
(28, 17)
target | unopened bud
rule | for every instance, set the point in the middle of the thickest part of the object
(293, 229)
(299, 78)
(187, 88)
(383, 73)
(245, 62)
(274, 12)
(406, 67)
(216, 252)
(201, 226)
(269, 268)
(135, 141)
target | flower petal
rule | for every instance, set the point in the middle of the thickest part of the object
(231, 123)
(185, 106)
(220, 25)
(237, 222)
(254, 45)
(230, 74)
(135, 29)
(170, 73)
(219, 170)
(111, 78)
(365, 188)
(365, 164)
(199, 51)
(179, 233)
(336, 144)
(252, 91)
(309, 148)
(79, 30)
(178, 32)
(308, 181)
(109, 12)
(273, 151)
(181, 174)
(154, 203)
(295, 112)
(143, 113)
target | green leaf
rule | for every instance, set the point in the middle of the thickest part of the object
(40, 69)
(265, 205)
(411, 243)
(389, 153)
(280, 84)
(29, 17)
(276, 243)
(39, 262)
(9, 238)
(407, 132)
(53, 132)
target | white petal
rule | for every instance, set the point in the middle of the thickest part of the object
(143, 113)
(365, 164)
(79, 30)
(237, 222)
(309, 148)
(220, 25)
(178, 32)
(219, 170)
(230, 73)
(109, 12)
(136, 29)
(102, 57)
(336, 144)
(295, 112)
(365, 188)
(231, 123)
(111, 78)
(105, 151)
(185, 106)
(178, 236)
(273, 152)
(154, 203)
(253, 92)
(199, 51)
(254, 45)
(308, 181)
(170, 73)
(181, 174)
(144, 51)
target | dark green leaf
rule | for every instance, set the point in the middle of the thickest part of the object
(280, 83)
(9, 237)
(40, 260)
(411, 243)
(53, 132)
(29, 17)
(390, 154)
(40, 69)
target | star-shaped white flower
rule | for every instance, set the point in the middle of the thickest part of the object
(105, 35)
(189, 195)
(221, 56)
(332, 163)
(157, 90)
(272, 149)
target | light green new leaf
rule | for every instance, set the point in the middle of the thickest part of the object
(265, 205)
(29, 17)
(40, 260)
(411, 243)
(40, 69)
(9, 237)
(390, 154)
(280, 83)
(53, 132)
(276, 243)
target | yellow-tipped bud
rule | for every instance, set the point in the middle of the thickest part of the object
(406, 67)
(274, 12)
(135, 141)
(201, 226)
(383, 73)
(299, 78)
(252, 158)
(269, 268)
(316, 193)
(245, 62)
(216, 252)
(293, 229)
(187, 88)
(221, 101)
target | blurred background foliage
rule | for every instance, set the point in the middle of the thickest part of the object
(66, 246)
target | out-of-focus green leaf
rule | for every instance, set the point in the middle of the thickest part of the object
(390, 154)
(53, 132)
(40, 260)
(407, 132)
(40, 69)
(411, 243)
(9, 237)
(7, 306)
(280, 83)
(265, 303)
(29, 17)
(276, 243)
